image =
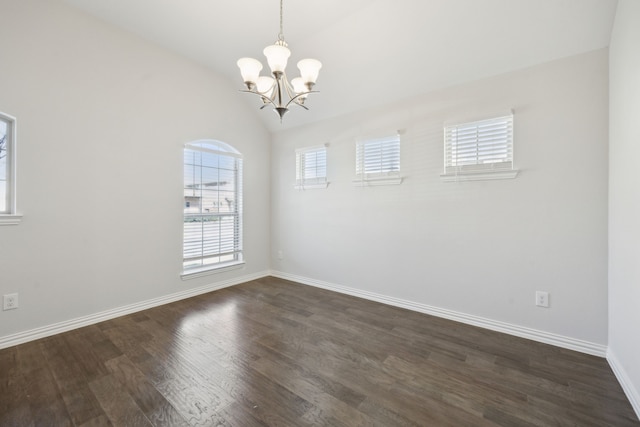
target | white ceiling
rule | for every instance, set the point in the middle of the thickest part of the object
(373, 51)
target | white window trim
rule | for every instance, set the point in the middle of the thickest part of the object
(194, 273)
(10, 219)
(479, 172)
(378, 178)
(206, 270)
(319, 186)
(373, 181)
(300, 183)
(479, 175)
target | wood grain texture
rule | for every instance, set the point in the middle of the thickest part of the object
(275, 353)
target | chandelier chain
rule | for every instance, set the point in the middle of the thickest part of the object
(281, 34)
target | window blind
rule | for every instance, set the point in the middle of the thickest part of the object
(479, 146)
(380, 156)
(311, 166)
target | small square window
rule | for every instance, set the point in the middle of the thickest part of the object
(479, 150)
(311, 168)
(378, 161)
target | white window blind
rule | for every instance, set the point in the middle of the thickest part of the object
(479, 146)
(212, 233)
(311, 167)
(378, 159)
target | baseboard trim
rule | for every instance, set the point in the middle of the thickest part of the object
(67, 325)
(627, 385)
(494, 325)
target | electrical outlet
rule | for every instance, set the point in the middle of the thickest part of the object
(10, 302)
(280, 255)
(542, 299)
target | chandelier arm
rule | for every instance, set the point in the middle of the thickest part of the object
(288, 87)
(264, 98)
(278, 94)
(295, 99)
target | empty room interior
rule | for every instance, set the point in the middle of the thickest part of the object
(299, 212)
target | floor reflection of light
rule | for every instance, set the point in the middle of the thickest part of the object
(204, 361)
(211, 330)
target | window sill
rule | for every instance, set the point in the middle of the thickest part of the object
(371, 182)
(10, 219)
(311, 186)
(206, 271)
(479, 175)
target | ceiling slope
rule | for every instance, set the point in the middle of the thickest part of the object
(373, 51)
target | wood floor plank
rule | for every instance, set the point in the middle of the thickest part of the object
(14, 405)
(271, 352)
(43, 395)
(326, 406)
(79, 400)
(156, 408)
(45, 401)
(118, 405)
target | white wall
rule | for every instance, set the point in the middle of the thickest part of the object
(102, 117)
(479, 248)
(624, 199)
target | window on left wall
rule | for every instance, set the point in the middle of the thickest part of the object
(212, 226)
(8, 210)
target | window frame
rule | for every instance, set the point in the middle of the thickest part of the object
(318, 182)
(381, 175)
(217, 148)
(496, 133)
(10, 215)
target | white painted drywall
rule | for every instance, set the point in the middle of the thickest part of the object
(624, 197)
(102, 119)
(481, 248)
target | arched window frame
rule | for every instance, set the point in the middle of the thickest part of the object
(212, 218)
(8, 204)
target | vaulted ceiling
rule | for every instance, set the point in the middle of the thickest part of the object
(373, 51)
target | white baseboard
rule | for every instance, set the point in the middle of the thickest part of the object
(494, 325)
(632, 393)
(67, 325)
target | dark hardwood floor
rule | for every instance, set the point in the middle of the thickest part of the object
(272, 352)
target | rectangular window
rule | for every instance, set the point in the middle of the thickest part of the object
(378, 161)
(479, 150)
(8, 215)
(212, 206)
(311, 167)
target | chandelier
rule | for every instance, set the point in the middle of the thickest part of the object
(277, 90)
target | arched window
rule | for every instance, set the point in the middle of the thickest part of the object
(212, 236)
(8, 214)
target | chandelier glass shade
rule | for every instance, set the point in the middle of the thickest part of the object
(276, 90)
